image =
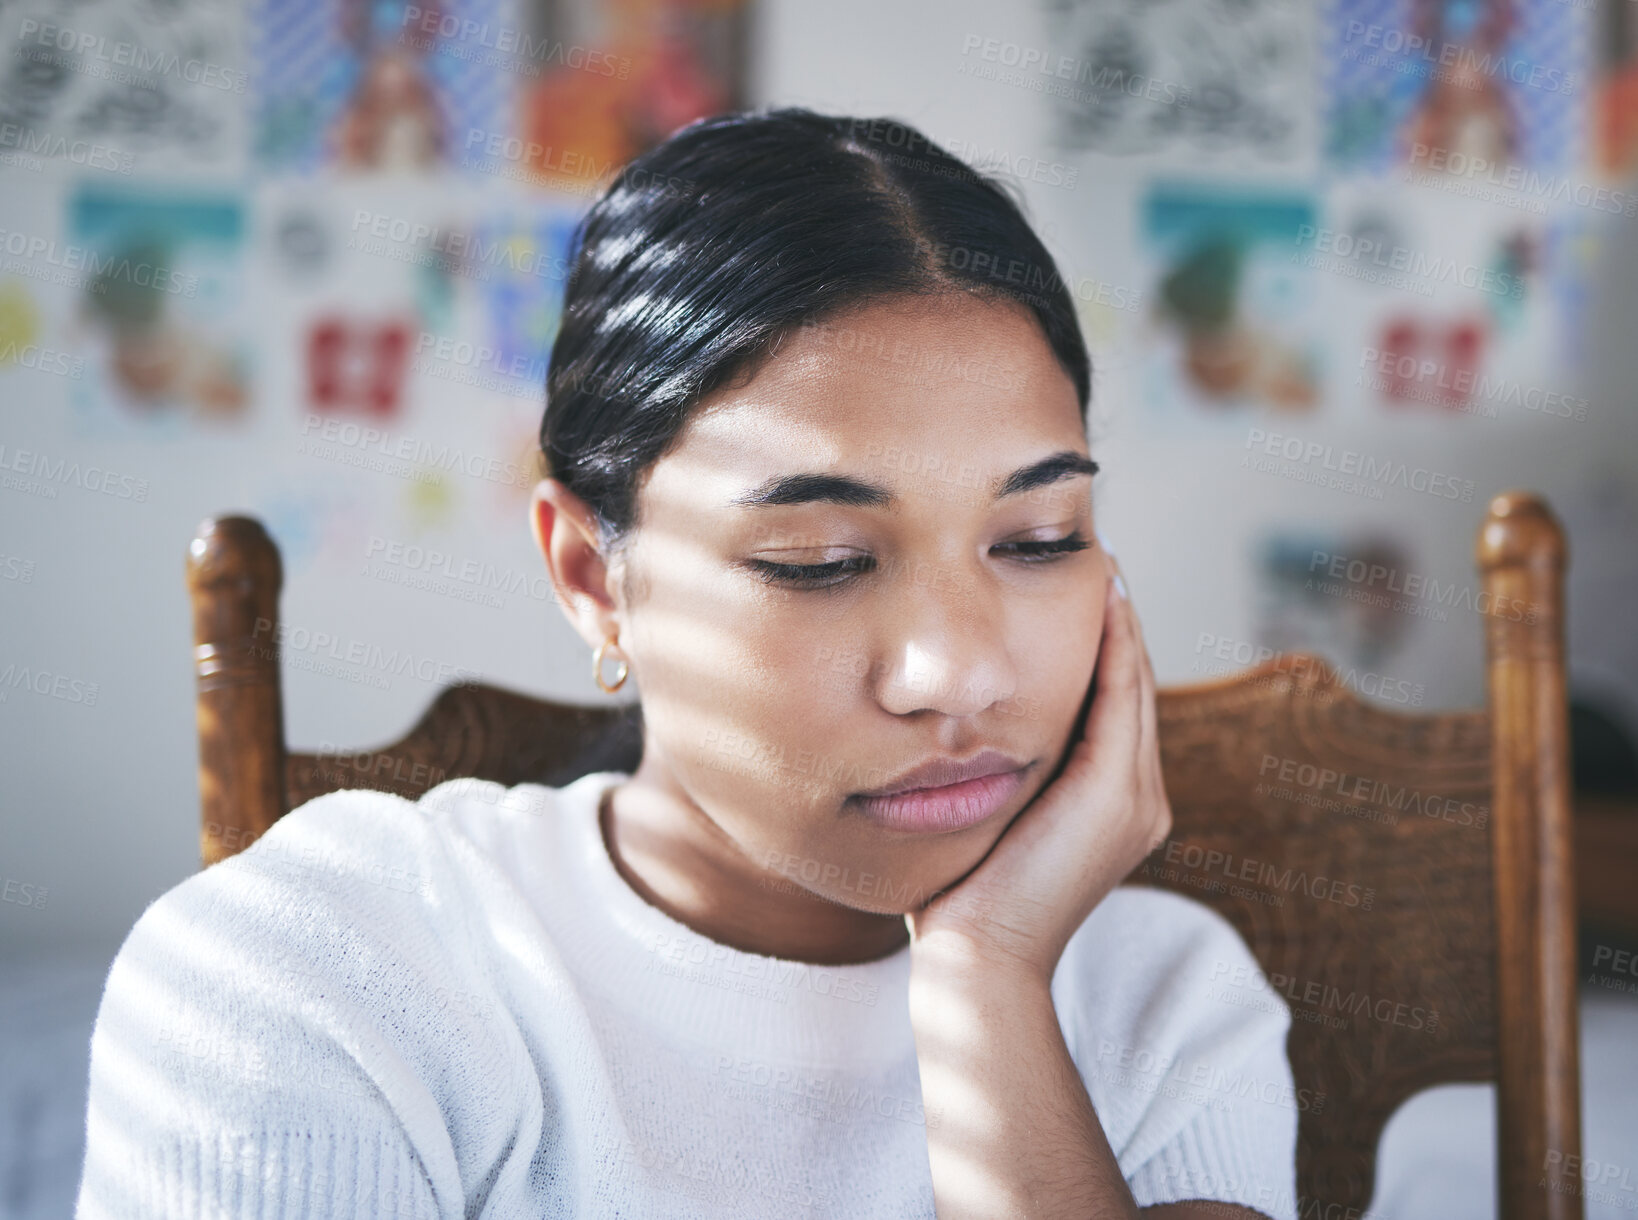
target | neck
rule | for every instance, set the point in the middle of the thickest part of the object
(677, 859)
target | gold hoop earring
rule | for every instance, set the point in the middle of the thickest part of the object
(597, 667)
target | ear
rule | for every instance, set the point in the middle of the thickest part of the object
(570, 540)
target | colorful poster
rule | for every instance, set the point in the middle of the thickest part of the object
(1616, 105)
(162, 308)
(111, 86)
(1430, 306)
(522, 269)
(1219, 77)
(364, 86)
(1232, 304)
(358, 364)
(610, 78)
(1456, 87)
(1335, 595)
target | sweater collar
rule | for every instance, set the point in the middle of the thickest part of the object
(643, 960)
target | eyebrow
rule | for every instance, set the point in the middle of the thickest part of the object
(857, 493)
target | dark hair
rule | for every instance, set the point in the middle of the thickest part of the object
(708, 248)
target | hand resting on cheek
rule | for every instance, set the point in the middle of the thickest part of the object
(1083, 834)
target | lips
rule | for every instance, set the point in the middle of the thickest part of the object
(945, 794)
(943, 772)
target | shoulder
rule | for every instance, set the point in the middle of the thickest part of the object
(1163, 916)
(346, 865)
(324, 972)
(1176, 1044)
(340, 886)
(1151, 954)
(318, 1007)
(1145, 974)
(377, 851)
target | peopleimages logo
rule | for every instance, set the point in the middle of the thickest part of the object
(1443, 54)
(1383, 1009)
(509, 41)
(693, 950)
(104, 267)
(1516, 178)
(1365, 254)
(116, 52)
(1407, 374)
(1370, 471)
(367, 439)
(1052, 66)
(39, 359)
(1400, 799)
(1245, 654)
(41, 469)
(1379, 580)
(1268, 875)
(88, 153)
(499, 252)
(44, 682)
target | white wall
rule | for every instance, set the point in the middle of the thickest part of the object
(100, 802)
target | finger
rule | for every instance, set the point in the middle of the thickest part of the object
(1114, 722)
(1134, 629)
(1095, 679)
(1149, 732)
(1124, 588)
(1149, 746)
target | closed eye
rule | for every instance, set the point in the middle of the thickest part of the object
(839, 571)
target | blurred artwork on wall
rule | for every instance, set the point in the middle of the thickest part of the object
(429, 504)
(1232, 319)
(517, 444)
(522, 274)
(361, 85)
(1600, 516)
(1457, 89)
(161, 309)
(320, 519)
(1425, 362)
(1435, 309)
(1226, 78)
(1570, 262)
(110, 85)
(367, 288)
(1616, 104)
(358, 364)
(1344, 597)
(611, 78)
(25, 349)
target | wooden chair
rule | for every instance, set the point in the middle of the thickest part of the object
(1421, 861)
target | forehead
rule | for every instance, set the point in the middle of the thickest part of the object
(951, 377)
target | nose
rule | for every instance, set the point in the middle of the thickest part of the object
(944, 645)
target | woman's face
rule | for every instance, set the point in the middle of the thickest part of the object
(771, 701)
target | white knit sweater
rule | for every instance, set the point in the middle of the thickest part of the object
(457, 1007)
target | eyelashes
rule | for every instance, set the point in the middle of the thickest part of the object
(839, 571)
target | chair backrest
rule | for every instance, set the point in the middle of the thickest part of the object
(1404, 880)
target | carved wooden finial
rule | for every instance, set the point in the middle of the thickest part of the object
(1519, 530)
(234, 576)
(1522, 557)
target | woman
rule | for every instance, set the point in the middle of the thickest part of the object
(849, 941)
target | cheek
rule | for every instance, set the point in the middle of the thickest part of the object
(741, 700)
(1068, 652)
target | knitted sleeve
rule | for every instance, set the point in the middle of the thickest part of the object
(277, 1031)
(1240, 1147)
(1183, 1053)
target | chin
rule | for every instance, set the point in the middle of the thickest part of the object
(937, 882)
